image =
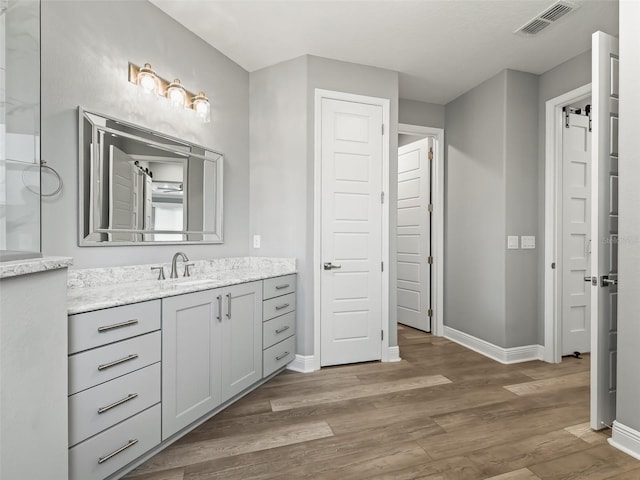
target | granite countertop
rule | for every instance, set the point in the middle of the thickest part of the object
(95, 289)
(16, 268)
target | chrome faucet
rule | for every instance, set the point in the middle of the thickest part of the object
(174, 273)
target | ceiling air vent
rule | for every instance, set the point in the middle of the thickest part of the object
(548, 17)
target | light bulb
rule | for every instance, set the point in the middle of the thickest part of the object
(202, 107)
(177, 94)
(147, 79)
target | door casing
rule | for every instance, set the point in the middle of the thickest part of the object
(317, 218)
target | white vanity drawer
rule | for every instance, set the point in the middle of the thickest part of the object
(278, 306)
(274, 287)
(101, 407)
(100, 365)
(277, 329)
(278, 356)
(93, 329)
(100, 456)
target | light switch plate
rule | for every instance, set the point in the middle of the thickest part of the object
(513, 242)
(528, 241)
(256, 241)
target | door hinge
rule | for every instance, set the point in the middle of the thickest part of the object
(382, 129)
(430, 260)
(382, 266)
(381, 197)
(430, 313)
(430, 155)
(381, 334)
(553, 266)
(430, 208)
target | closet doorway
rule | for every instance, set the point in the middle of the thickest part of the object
(419, 233)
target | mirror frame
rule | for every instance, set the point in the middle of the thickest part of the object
(87, 241)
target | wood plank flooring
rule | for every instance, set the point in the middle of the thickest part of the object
(443, 412)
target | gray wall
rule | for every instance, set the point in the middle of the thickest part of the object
(521, 173)
(567, 76)
(629, 198)
(491, 192)
(278, 175)
(104, 36)
(424, 114)
(475, 262)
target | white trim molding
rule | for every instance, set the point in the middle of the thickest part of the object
(394, 354)
(437, 239)
(507, 356)
(385, 103)
(553, 219)
(302, 364)
(626, 439)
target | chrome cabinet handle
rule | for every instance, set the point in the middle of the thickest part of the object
(131, 443)
(280, 307)
(131, 396)
(283, 329)
(280, 357)
(280, 287)
(228, 305)
(331, 266)
(128, 323)
(128, 358)
(219, 297)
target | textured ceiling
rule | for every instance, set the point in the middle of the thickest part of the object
(441, 48)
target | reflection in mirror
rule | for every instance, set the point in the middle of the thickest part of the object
(139, 187)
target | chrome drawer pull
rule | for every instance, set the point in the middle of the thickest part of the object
(280, 307)
(131, 443)
(104, 366)
(117, 325)
(280, 357)
(219, 297)
(131, 396)
(280, 287)
(282, 329)
(228, 305)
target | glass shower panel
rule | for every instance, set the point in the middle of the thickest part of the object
(19, 128)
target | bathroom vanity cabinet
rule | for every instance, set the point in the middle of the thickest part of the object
(211, 351)
(144, 374)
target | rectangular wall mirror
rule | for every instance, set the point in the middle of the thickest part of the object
(140, 187)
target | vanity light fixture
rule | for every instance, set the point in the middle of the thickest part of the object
(202, 107)
(176, 94)
(147, 79)
(180, 97)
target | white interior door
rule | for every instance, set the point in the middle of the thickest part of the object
(351, 237)
(576, 231)
(122, 194)
(414, 230)
(604, 228)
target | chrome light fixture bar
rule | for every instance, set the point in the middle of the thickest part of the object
(151, 83)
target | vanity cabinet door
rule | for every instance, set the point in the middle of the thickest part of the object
(241, 338)
(190, 358)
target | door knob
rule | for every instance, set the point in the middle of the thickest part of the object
(330, 266)
(608, 282)
(592, 280)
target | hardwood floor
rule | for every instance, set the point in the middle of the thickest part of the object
(443, 412)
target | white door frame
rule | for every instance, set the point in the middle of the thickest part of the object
(437, 228)
(385, 103)
(553, 217)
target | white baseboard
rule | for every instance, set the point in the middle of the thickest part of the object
(302, 364)
(503, 355)
(625, 439)
(394, 354)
